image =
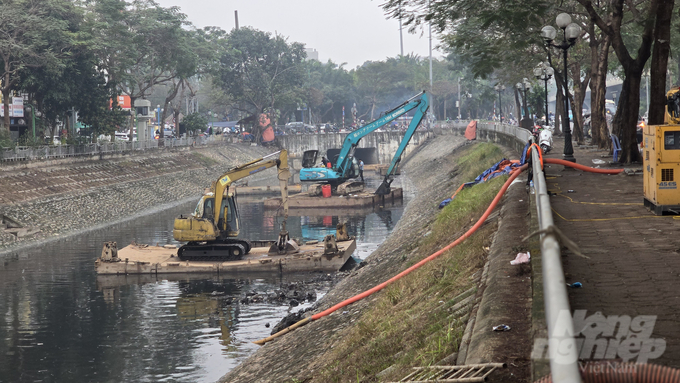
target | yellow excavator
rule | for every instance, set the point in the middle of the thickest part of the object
(212, 233)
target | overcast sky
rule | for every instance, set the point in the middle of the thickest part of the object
(351, 31)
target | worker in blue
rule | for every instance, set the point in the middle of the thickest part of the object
(361, 170)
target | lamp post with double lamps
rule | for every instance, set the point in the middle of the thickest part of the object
(570, 32)
(500, 88)
(523, 87)
(545, 72)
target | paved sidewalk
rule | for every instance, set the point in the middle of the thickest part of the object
(634, 265)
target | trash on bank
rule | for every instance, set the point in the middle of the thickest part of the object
(501, 327)
(575, 285)
(521, 258)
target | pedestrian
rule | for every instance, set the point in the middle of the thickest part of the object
(324, 161)
(361, 170)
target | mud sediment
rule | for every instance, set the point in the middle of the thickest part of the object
(300, 354)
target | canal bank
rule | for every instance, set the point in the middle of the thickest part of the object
(441, 314)
(60, 199)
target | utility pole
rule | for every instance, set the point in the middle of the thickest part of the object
(401, 36)
(431, 93)
(459, 98)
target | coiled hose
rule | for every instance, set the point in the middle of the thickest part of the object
(613, 372)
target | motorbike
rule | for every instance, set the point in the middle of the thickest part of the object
(543, 135)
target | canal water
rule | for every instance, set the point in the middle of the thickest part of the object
(59, 322)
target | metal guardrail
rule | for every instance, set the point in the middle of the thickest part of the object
(25, 153)
(562, 346)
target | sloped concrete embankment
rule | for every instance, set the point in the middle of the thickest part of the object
(59, 198)
(302, 354)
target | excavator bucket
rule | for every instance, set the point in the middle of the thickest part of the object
(384, 187)
(110, 252)
(284, 245)
(330, 247)
(341, 233)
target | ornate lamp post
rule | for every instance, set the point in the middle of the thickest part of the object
(570, 32)
(500, 88)
(523, 87)
(545, 72)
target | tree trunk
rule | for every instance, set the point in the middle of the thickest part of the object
(598, 89)
(133, 113)
(560, 122)
(5, 105)
(5, 97)
(518, 105)
(659, 65)
(625, 120)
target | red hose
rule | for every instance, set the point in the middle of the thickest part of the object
(474, 228)
(538, 149)
(582, 167)
(381, 286)
(617, 372)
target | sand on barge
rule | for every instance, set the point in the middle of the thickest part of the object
(323, 256)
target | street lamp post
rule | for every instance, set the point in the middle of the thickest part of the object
(544, 72)
(523, 87)
(570, 32)
(31, 109)
(500, 88)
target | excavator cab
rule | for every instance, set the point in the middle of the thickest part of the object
(229, 220)
(309, 158)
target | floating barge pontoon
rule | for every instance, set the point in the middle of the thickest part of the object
(145, 259)
(354, 200)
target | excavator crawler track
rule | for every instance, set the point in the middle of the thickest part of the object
(230, 250)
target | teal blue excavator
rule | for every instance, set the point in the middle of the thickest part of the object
(344, 168)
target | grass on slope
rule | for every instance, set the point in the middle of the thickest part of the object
(411, 323)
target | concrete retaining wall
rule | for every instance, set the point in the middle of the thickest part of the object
(386, 143)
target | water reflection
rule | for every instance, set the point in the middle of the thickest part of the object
(60, 322)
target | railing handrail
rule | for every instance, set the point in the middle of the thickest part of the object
(561, 343)
(27, 153)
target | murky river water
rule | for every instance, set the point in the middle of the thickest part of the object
(59, 322)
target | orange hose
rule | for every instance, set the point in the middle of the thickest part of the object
(540, 152)
(431, 257)
(617, 372)
(582, 167)
(381, 286)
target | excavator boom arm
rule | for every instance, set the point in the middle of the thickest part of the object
(417, 118)
(250, 168)
(353, 138)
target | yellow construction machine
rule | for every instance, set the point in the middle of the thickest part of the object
(661, 148)
(212, 233)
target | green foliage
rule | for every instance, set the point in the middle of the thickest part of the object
(5, 140)
(194, 122)
(411, 323)
(27, 139)
(259, 69)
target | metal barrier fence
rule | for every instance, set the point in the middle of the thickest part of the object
(562, 346)
(24, 153)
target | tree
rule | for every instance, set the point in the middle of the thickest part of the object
(139, 44)
(194, 122)
(625, 120)
(34, 34)
(259, 69)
